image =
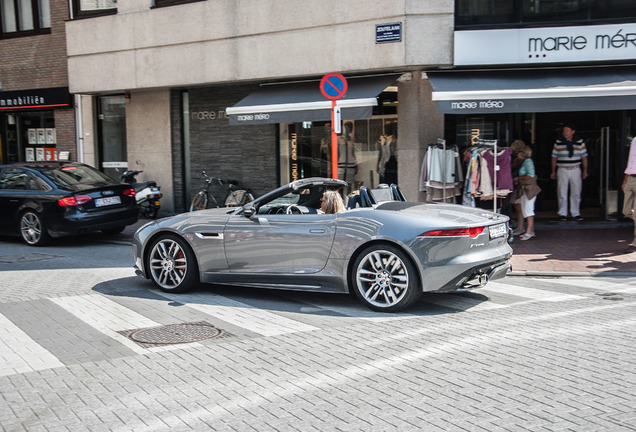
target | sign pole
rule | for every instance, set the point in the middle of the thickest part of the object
(334, 142)
(333, 86)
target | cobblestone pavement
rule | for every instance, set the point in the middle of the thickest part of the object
(524, 353)
(585, 251)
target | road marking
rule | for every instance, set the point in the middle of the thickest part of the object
(19, 353)
(110, 317)
(529, 293)
(240, 314)
(604, 285)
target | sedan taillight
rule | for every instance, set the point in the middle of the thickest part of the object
(454, 232)
(129, 192)
(73, 200)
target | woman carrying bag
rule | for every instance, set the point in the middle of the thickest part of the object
(525, 194)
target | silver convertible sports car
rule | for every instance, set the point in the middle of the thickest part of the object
(384, 249)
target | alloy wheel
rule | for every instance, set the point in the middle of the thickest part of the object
(168, 264)
(382, 279)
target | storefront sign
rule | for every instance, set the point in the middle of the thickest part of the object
(546, 45)
(388, 33)
(36, 99)
(293, 156)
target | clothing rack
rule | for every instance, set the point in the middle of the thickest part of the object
(493, 144)
(442, 142)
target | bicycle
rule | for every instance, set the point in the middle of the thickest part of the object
(233, 198)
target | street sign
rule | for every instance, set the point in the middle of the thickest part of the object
(333, 86)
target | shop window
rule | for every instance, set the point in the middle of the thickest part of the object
(24, 17)
(367, 151)
(91, 8)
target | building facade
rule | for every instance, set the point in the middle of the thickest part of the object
(37, 116)
(233, 88)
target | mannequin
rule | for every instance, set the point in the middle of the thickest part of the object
(347, 164)
(387, 157)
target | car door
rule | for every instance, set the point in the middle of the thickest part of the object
(14, 184)
(279, 243)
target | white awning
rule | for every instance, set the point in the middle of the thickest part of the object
(541, 90)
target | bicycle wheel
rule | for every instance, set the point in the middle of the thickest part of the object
(238, 198)
(199, 202)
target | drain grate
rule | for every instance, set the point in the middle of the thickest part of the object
(173, 334)
(25, 258)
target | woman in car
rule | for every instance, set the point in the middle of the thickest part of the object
(331, 202)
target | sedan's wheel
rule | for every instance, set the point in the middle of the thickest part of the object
(33, 230)
(385, 279)
(172, 264)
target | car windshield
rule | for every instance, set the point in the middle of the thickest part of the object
(76, 174)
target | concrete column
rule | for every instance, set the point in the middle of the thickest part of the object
(148, 141)
(418, 126)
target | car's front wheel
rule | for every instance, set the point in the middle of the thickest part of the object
(385, 280)
(172, 264)
(32, 229)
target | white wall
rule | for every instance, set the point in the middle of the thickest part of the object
(217, 41)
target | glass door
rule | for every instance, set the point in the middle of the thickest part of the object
(112, 135)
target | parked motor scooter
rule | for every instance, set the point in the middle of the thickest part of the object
(146, 193)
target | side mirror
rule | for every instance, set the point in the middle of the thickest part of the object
(249, 210)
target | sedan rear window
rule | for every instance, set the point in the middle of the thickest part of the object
(71, 175)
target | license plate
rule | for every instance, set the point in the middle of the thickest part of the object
(497, 230)
(100, 202)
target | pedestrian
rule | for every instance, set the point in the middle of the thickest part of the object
(525, 194)
(629, 189)
(331, 202)
(569, 155)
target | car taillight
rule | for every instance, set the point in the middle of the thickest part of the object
(454, 232)
(129, 192)
(74, 200)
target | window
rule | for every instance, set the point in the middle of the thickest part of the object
(514, 13)
(90, 8)
(160, 3)
(24, 17)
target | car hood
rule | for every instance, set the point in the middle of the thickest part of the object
(445, 214)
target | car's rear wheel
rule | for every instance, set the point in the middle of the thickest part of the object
(385, 280)
(172, 264)
(32, 229)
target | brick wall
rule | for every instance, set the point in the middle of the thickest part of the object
(65, 131)
(248, 154)
(37, 61)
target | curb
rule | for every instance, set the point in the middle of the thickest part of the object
(538, 273)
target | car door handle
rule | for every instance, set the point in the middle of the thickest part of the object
(316, 231)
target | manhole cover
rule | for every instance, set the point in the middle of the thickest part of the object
(175, 334)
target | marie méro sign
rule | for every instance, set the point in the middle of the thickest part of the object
(546, 45)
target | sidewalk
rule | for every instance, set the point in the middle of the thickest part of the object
(576, 249)
(562, 249)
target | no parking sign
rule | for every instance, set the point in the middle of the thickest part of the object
(334, 86)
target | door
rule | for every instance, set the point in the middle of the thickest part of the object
(279, 243)
(112, 135)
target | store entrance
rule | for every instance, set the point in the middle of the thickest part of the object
(606, 135)
(601, 133)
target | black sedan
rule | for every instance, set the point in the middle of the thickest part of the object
(40, 200)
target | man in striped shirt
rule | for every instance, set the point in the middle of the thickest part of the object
(569, 155)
